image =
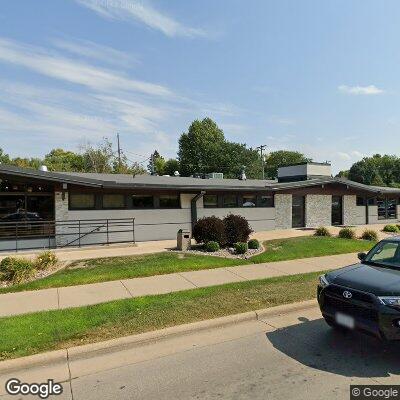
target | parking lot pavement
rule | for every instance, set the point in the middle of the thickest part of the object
(290, 356)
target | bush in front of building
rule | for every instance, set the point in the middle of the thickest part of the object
(45, 260)
(253, 244)
(211, 247)
(240, 248)
(390, 228)
(16, 270)
(347, 233)
(370, 234)
(237, 229)
(322, 231)
(209, 229)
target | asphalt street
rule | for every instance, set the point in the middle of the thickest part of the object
(293, 356)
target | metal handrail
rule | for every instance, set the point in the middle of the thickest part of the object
(79, 229)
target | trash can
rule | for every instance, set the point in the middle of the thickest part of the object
(183, 240)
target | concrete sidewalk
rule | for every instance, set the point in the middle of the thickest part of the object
(75, 296)
(120, 250)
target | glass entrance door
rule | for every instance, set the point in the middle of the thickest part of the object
(298, 211)
(337, 210)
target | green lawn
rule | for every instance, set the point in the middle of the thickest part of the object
(115, 268)
(38, 332)
(108, 269)
(309, 246)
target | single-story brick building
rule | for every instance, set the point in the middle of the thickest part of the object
(40, 208)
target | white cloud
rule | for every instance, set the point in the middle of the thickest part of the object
(360, 90)
(56, 66)
(142, 12)
(352, 155)
(90, 50)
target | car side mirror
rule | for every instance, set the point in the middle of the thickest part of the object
(362, 256)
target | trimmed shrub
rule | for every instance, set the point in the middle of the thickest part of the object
(209, 229)
(369, 234)
(211, 247)
(16, 270)
(45, 260)
(390, 228)
(322, 231)
(240, 248)
(253, 244)
(237, 229)
(347, 233)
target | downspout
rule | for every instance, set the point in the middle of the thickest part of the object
(193, 207)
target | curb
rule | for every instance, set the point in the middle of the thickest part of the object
(127, 342)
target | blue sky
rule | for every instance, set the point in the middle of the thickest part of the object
(315, 76)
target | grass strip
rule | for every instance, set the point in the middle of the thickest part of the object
(48, 330)
(109, 269)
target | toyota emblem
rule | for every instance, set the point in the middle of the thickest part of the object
(347, 294)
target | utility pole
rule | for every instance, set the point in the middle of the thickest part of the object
(261, 148)
(119, 153)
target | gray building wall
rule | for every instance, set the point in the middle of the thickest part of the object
(318, 210)
(283, 211)
(361, 215)
(260, 218)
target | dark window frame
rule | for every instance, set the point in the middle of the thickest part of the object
(178, 206)
(73, 208)
(231, 195)
(132, 207)
(360, 201)
(211, 206)
(385, 214)
(272, 204)
(113, 208)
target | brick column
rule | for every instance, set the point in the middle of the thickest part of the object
(61, 210)
(283, 211)
(349, 210)
(318, 210)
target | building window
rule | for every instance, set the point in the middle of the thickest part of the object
(113, 201)
(387, 208)
(360, 201)
(142, 201)
(230, 200)
(266, 201)
(210, 201)
(249, 200)
(169, 201)
(81, 201)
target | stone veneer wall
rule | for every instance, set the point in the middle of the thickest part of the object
(283, 211)
(61, 210)
(318, 210)
(350, 210)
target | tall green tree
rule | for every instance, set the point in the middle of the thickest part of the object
(201, 147)
(64, 160)
(204, 149)
(171, 166)
(376, 170)
(282, 158)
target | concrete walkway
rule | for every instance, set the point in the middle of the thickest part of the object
(75, 296)
(120, 250)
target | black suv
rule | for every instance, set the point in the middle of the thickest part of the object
(365, 296)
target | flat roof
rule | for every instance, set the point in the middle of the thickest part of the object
(126, 181)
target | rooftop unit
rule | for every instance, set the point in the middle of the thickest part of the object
(304, 171)
(215, 175)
